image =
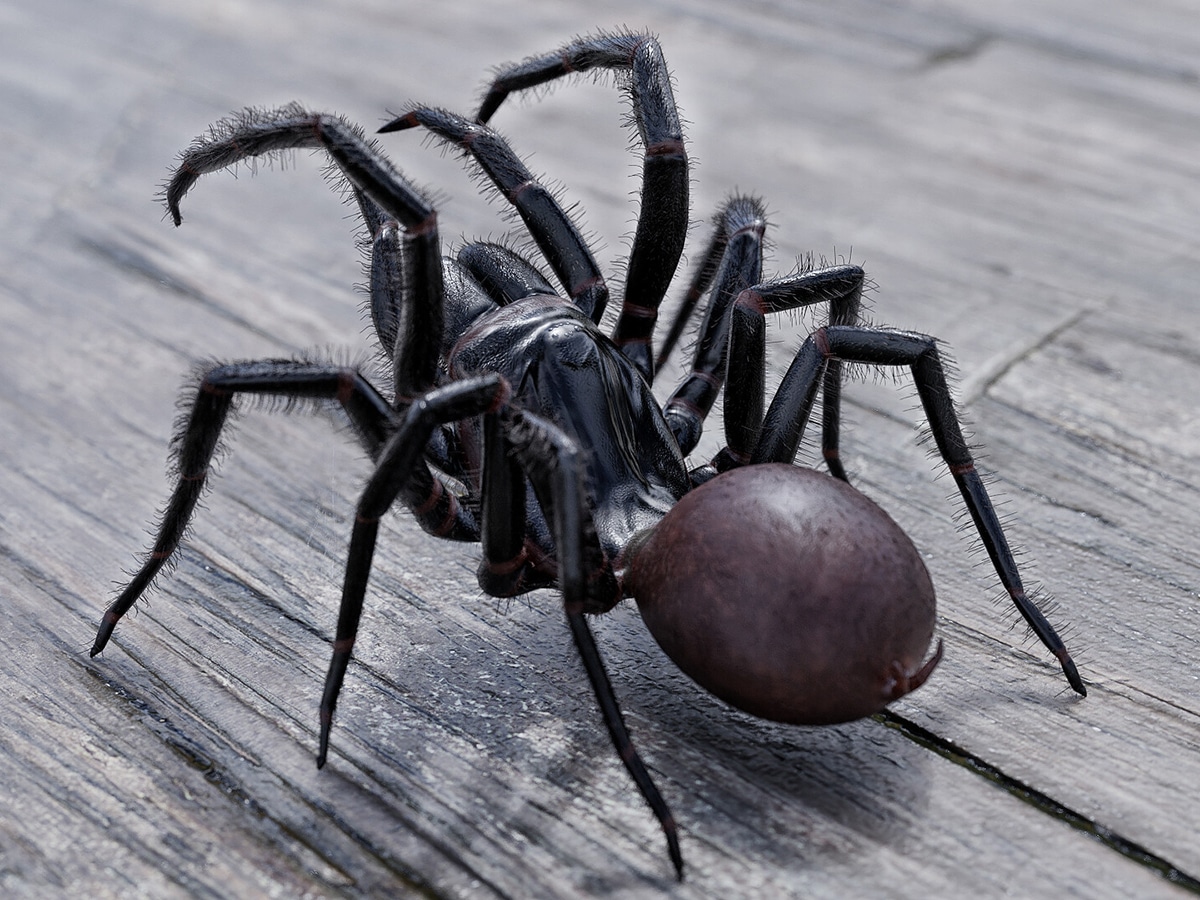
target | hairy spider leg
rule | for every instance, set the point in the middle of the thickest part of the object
(409, 303)
(465, 302)
(663, 218)
(510, 560)
(699, 284)
(513, 536)
(385, 284)
(555, 467)
(408, 298)
(733, 252)
(413, 324)
(743, 223)
(370, 417)
(398, 466)
(552, 229)
(784, 423)
(840, 287)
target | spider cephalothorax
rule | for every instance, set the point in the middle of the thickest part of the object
(781, 589)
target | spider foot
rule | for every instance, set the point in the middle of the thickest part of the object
(107, 624)
(1068, 667)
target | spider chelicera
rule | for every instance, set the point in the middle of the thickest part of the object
(515, 422)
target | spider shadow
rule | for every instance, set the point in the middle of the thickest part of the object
(744, 791)
(792, 796)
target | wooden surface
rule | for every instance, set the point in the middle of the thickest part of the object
(1022, 182)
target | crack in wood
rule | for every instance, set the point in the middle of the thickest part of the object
(1039, 800)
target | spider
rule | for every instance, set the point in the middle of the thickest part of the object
(515, 422)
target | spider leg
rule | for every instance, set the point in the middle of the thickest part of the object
(663, 220)
(697, 287)
(198, 440)
(742, 223)
(783, 428)
(411, 270)
(840, 287)
(517, 445)
(512, 562)
(552, 229)
(385, 284)
(397, 476)
(555, 467)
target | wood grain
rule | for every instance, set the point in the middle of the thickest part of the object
(1019, 181)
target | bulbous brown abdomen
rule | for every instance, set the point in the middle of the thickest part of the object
(788, 594)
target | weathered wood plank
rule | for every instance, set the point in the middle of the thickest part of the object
(1017, 181)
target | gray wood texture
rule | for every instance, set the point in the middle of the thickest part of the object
(1021, 180)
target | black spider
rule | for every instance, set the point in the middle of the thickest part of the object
(781, 590)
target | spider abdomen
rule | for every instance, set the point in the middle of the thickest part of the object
(788, 594)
